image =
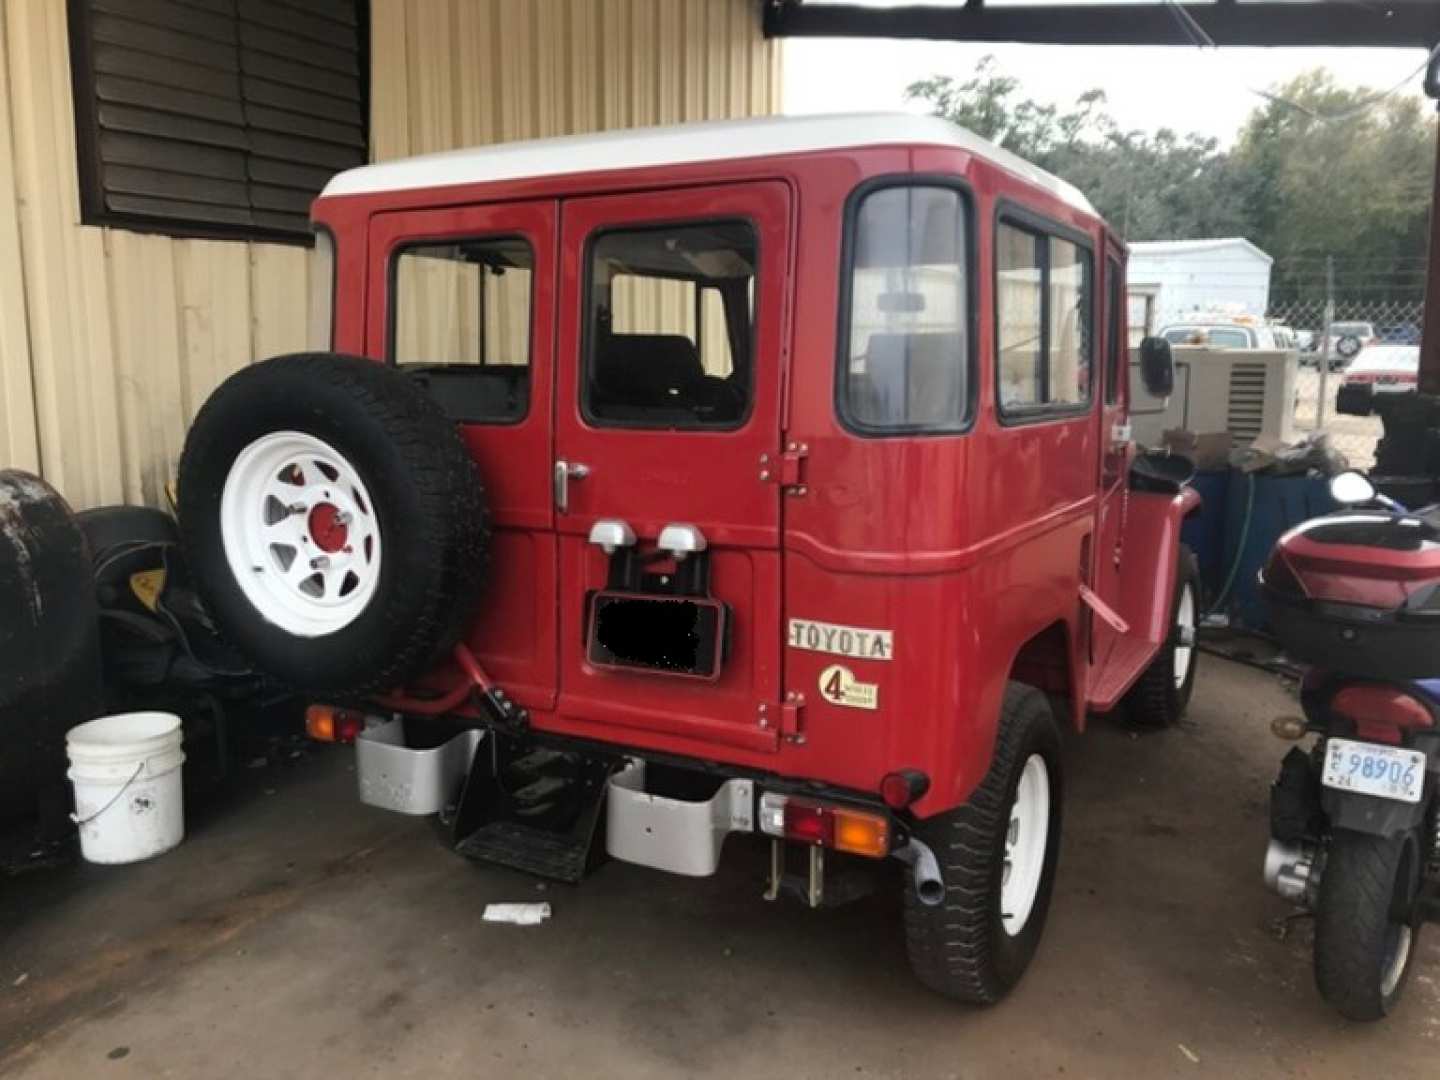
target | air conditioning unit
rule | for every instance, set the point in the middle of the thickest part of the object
(1247, 392)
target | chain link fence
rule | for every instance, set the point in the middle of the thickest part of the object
(1396, 322)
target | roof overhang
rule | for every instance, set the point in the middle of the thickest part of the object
(1374, 23)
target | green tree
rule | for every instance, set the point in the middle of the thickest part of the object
(1318, 169)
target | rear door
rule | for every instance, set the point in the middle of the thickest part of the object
(463, 300)
(671, 350)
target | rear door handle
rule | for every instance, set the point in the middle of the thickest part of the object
(565, 471)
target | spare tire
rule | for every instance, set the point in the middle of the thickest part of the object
(333, 520)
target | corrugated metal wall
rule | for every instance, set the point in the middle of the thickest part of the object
(109, 340)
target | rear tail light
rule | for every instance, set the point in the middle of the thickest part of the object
(843, 828)
(1381, 713)
(326, 723)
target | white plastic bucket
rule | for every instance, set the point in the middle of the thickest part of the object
(126, 773)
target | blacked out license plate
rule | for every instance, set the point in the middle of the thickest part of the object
(666, 635)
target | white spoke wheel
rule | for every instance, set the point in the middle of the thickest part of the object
(1184, 634)
(1162, 693)
(333, 522)
(1025, 842)
(301, 533)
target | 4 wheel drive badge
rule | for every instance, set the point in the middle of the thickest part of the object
(838, 686)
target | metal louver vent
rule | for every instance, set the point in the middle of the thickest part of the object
(216, 117)
(1245, 416)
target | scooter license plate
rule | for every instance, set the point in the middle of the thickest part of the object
(1368, 769)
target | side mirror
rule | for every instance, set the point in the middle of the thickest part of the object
(1351, 489)
(1157, 367)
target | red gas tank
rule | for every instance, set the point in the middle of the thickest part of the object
(1358, 592)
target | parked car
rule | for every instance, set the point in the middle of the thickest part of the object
(774, 539)
(1388, 368)
(1230, 332)
(1400, 334)
(1345, 342)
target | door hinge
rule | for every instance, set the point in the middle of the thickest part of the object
(786, 468)
(790, 717)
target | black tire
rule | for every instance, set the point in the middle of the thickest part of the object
(111, 526)
(961, 947)
(428, 501)
(1367, 928)
(1156, 700)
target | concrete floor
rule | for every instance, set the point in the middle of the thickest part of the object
(297, 933)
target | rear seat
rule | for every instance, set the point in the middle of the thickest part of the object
(659, 376)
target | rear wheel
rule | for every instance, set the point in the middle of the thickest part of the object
(997, 856)
(1161, 695)
(1366, 923)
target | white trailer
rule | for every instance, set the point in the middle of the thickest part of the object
(1171, 280)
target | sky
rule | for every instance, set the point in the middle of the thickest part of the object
(1187, 89)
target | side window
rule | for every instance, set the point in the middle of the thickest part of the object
(670, 325)
(1043, 314)
(462, 317)
(1115, 345)
(906, 355)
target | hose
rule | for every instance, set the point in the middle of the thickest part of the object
(1239, 550)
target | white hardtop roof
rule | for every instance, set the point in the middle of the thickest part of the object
(1187, 247)
(682, 144)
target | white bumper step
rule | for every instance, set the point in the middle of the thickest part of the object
(677, 835)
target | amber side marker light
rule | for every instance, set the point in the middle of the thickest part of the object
(843, 828)
(326, 723)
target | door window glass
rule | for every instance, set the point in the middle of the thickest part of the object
(670, 325)
(462, 322)
(906, 364)
(1043, 313)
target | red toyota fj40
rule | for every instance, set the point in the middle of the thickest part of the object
(768, 477)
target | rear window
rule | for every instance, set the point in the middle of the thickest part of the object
(905, 365)
(670, 325)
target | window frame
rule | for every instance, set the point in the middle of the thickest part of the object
(840, 392)
(392, 312)
(585, 363)
(1117, 312)
(1018, 216)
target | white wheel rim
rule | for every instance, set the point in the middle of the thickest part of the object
(300, 533)
(1398, 958)
(1184, 635)
(1026, 838)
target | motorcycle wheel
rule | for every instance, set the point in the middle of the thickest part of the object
(1367, 927)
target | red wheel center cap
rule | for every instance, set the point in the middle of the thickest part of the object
(326, 528)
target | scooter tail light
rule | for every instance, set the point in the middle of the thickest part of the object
(1381, 713)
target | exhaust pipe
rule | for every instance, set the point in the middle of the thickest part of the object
(1290, 871)
(929, 886)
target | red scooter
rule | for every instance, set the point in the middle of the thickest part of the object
(1353, 820)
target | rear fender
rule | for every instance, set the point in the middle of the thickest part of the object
(1151, 540)
(1371, 814)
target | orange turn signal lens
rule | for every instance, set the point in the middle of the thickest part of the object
(861, 834)
(320, 723)
(326, 723)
